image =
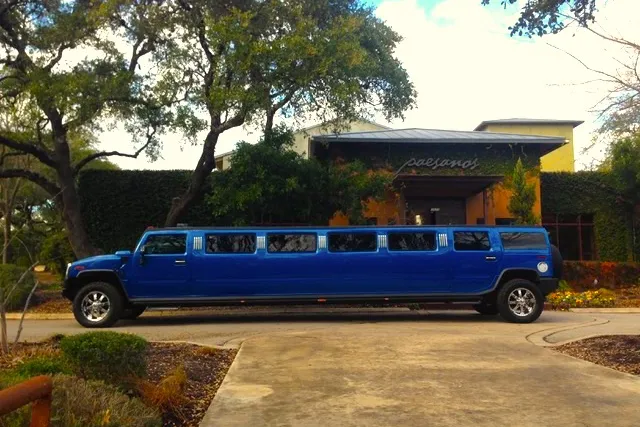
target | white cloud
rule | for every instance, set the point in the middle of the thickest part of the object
(467, 69)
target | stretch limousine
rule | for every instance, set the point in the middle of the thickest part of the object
(500, 270)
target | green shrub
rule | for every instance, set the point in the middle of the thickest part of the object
(585, 275)
(563, 286)
(106, 355)
(43, 365)
(56, 252)
(9, 276)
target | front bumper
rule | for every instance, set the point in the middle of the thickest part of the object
(548, 284)
(67, 289)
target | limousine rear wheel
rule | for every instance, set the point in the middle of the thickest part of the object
(520, 301)
(97, 305)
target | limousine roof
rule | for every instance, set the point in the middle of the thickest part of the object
(346, 227)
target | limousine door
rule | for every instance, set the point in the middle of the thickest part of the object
(161, 268)
(477, 260)
(419, 262)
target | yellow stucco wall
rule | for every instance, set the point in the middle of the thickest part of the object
(559, 160)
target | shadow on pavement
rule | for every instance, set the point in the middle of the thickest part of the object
(452, 316)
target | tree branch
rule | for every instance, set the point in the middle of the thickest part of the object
(91, 157)
(56, 58)
(34, 177)
(40, 153)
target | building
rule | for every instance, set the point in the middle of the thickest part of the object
(447, 176)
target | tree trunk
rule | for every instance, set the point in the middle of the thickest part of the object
(268, 127)
(70, 202)
(7, 236)
(203, 169)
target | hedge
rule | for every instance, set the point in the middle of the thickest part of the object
(589, 192)
(119, 205)
(584, 275)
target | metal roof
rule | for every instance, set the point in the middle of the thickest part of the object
(430, 136)
(486, 123)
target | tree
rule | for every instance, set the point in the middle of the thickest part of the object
(523, 197)
(540, 17)
(62, 72)
(242, 62)
(270, 183)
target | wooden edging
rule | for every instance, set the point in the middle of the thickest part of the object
(37, 390)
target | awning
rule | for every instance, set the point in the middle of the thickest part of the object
(444, 186)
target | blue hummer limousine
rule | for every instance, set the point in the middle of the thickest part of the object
(500, 270)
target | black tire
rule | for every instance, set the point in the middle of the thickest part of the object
(520, 287)
(485, 309)
(100, 291)
(133, 312)
(556, 259)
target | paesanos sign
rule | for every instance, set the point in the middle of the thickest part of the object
(438, 163)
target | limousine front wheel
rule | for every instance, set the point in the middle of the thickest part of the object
(520, 301)
(97, 305)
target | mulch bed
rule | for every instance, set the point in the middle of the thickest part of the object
(620, 352)
(205, 367)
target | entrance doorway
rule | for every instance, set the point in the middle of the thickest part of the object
(429, 211)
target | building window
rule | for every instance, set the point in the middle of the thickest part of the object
(231, 243)
(292, 243)
(471, 241)
(505, 221)
(572, 234)
(412, 241)
(352, 242)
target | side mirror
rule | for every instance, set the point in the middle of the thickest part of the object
(123, 254)
(143, 251)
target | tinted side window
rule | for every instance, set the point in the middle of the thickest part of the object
(166, 244)
(231, 243)
(471, 241)
(412, 241)
(352, 242)
(523, 241)
(292, 242)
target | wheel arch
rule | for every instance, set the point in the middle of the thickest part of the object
(509, 274)
(89, 276)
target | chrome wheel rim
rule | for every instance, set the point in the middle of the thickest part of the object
(522, 302)
(95, 306)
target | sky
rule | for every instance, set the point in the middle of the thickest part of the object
(466, 68)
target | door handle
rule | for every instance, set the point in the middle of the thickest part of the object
(490, 258)
(181, 261)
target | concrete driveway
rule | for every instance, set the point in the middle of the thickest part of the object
(446, 370)
(400, 368)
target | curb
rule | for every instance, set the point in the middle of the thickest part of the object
(40, 316)
(621, 310)
(540, 337)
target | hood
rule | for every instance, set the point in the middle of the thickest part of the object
(99, 261)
